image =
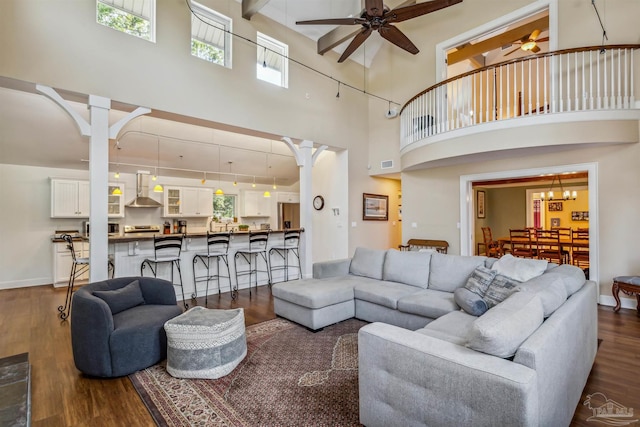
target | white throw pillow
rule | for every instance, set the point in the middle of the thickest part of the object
(520, 269)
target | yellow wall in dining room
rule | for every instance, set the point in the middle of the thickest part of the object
(581, 204)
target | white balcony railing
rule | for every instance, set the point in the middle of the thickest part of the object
(584, 79)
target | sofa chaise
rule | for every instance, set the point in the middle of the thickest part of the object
(439, 352)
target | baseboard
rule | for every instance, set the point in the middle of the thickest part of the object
(14, 284)
(608, 300)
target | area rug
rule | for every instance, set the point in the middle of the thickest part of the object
(290, 377)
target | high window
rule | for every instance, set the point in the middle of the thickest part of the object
(135, 17)
(210, 35)
(273, 62)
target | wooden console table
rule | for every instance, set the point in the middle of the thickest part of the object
(629, 285)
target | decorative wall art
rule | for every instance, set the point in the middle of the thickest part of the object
(481, 207)
(375, 207)
(554, 206)
(580, 215)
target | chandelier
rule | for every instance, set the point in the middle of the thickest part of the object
(566, 194)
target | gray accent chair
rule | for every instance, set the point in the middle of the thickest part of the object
(114, 345)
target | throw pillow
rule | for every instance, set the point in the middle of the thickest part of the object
(470, 302)
(122, 299)
(367, 263)
(502, 329)
(520, 269)
(500, 289)
(480, 280)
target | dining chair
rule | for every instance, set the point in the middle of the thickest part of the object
(549, 246)
(580, 248)
(565, 241)
(492, 247)
(522, 243)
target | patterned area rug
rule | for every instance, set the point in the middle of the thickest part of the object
(290, 377)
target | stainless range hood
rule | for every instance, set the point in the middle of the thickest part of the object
(142, 199)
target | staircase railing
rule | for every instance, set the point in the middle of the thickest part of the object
(581, 79)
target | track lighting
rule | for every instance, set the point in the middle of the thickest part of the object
(274, 183)
(204, 178)
(254, 182)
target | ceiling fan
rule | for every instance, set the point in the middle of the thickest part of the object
(529, 43)
(377, 16)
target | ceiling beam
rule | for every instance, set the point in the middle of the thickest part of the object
(251, 7)
(471, 50)
(340, 34)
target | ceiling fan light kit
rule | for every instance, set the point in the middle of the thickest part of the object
(378, 17)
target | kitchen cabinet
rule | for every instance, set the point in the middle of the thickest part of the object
(62, 261)
(255, 204)
(71, 199)
(287, 197)
(188, 202)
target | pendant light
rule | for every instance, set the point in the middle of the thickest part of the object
(157, 188)
(274, 183)
(267, 194)
(254, 182)
(219, 191)
(235, 180)
(117, 191)
(204, 178)
(566, 194)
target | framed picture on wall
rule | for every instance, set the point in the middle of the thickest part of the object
(555, 222)
(481, 207)
(375, 207)
(554, 206)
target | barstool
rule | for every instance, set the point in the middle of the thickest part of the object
(166, 250)
(290, 243)
(257, 246)
(218, 248)
(79, 266)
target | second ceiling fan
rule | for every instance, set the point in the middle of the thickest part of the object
(378, 17)
(529, 43)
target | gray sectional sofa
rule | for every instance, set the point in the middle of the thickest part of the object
(424, 361)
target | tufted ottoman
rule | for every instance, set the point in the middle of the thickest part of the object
(204, 343)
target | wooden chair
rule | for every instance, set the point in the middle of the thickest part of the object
(549, 247)
(565, 236)
(580, 248)
(416, 244)
(522, 244)
(492, 247)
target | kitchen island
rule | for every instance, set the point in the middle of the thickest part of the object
(130, 249)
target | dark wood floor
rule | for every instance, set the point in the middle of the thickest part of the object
(61, 396)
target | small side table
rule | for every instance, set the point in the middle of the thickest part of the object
(629, 285)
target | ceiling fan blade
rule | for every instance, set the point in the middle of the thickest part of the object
(544, 39)
(355, 43)
(398, 38)
(333, 21)
(408, 12)
(509, 53)
(534, 35)
(374, 7)
(535, 49)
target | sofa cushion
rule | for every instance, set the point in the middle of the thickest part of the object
(410, 268)
(520, 269)
(550, 288)
(383, 293)
(122, 299)
(315, 293)
(449, 272)
(572, 277)
(368, 263)
(502, 329)
(501, 288)
(453, 327)
(428, 303)
(470, 302)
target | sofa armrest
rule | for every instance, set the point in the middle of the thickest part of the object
(406, 378)
(325, 269)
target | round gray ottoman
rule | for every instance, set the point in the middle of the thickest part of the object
(204, 343)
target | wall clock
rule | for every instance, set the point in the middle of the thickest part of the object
(318, 202)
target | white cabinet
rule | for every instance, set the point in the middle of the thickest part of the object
(69, 198)
(255, 204)
(188, 202)
(286, 197)
(62, 261)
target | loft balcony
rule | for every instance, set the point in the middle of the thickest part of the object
(550, 100)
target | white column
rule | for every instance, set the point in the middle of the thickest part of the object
(306, 207)
(99, 186)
